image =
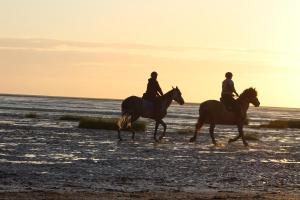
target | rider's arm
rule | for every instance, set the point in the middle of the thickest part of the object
(234, 91)
(159, 89)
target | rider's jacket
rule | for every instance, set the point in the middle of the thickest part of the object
(227, 87)
(153, 90)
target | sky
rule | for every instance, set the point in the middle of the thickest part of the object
(108, 48)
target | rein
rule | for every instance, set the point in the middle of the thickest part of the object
(167, 98)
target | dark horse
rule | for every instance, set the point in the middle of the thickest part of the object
(214, 112)
(134, 107)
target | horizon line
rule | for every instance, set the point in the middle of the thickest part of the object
(106, 98)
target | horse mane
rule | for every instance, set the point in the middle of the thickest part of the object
(166, 94)
(248, 93)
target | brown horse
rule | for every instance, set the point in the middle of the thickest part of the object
(214, 112)
(134, 107)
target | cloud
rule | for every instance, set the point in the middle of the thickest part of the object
(51, 44)
(45, 51)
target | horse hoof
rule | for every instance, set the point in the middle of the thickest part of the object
(193, 139)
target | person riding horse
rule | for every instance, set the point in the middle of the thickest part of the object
(228, 91)
(153, 91)
(153, 105)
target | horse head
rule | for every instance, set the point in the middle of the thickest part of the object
(176, 95)
(250, 95)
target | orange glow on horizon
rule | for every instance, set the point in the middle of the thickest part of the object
(190, 43)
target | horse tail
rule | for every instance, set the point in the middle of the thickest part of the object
(125, 121)
(128, 110)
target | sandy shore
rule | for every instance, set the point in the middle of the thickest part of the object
(72, 163)
(149, 195)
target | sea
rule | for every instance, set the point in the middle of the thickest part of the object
(13, 108)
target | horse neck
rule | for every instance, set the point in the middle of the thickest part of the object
(166, 100)
(244, 103)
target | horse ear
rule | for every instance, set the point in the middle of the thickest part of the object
(176, 87)
(172, 87)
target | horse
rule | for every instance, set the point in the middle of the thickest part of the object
(214, 112)
(134, 107)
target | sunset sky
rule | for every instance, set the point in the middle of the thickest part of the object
(108, 48)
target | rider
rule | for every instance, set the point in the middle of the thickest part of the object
(153, 88)
(153, 91)
(228, 90)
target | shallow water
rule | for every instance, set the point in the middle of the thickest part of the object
(49, 154)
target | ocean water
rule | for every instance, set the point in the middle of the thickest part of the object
(46, 153)
(49, 109)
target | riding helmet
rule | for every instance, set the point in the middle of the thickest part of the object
(228, 75)
(154, 74)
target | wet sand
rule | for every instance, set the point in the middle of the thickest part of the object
(71, 163)
(167, 195)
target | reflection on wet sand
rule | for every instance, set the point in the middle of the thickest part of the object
(174, 163)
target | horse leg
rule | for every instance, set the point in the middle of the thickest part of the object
(165, 128)
(197, 128)
(155, 131)
(133, 119)
(119, 134)
(133, 133)
(211, 132)
(120, 126)
(240, 129)
(124, 122)
(241, 133)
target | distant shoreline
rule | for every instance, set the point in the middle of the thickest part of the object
(60, 97)
(111, 99)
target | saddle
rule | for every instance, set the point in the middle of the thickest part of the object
(227, 106)
(147, 108)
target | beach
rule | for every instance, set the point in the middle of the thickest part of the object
(47, 158)
(166, 195)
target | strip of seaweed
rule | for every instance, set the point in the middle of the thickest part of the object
(107, 124)
(281, 124)
(31, 115)
(71, 118)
